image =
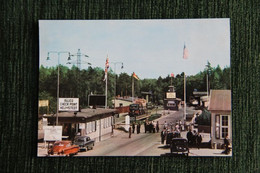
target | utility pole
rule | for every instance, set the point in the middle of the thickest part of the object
(58, 79)
(78, 62)
(115, 79)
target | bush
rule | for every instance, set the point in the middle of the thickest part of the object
(204, 118)
(154, 116)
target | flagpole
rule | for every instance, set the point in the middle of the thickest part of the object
(133, 88)
(184, 116)
(106, 94)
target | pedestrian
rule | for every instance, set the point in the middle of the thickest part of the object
(138, 128)
(130, 131)
(145, 126)
(199, 140)
(194, 137)
(163, 134)
(165, 125)
(226, 145)
(150, 127)
(154, 125)
(133, 127)
(189, 137)
(157, 126)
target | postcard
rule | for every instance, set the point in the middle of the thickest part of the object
(134, 88)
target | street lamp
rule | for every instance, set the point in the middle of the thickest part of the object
(58, 83)
(122, 66)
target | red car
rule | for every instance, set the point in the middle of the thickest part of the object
(63, 148)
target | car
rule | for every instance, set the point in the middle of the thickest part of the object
(179, 146)
(84, 142)
(63, 148)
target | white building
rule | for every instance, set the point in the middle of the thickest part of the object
(95, 123)
(220, 108)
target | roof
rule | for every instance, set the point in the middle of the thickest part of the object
(86, 113)
(220, 100)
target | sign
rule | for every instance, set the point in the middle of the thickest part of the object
(97, 100)
(52, 133)
(43, 103)
(69, 104)
(170, 95)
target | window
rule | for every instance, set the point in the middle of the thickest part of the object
(90, 127)
(224, 125)
(107, 122)
(217, 126)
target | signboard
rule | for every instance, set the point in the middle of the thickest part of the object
(43, 103)
(69, 104)
(97, 100)
(170, 95)
(52, 133)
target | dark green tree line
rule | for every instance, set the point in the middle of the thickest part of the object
(81, 83)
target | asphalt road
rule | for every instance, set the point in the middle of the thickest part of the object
(142, 144)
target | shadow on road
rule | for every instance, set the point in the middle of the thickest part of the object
(164, 147)
(172, 155)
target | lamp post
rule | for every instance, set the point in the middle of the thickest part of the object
(122, 66)
(58, 82)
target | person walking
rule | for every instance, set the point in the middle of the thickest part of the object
(154, 125)
(138, 128)
(165, 125)
(199, 140)
(189, 137)
(130, 132)
(163, 134)
(194, 137)
(145, 126)
(157, 126)
(133, 127)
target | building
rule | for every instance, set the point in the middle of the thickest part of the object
(220, 108)
(171, 102)
(95, 123)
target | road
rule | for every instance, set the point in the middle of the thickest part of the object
(143, 144)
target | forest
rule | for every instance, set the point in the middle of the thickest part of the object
(75, 83)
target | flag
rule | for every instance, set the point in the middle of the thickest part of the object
(185, 52)
(107, 63)
(172, 75)
(106, 68)
(135, 76)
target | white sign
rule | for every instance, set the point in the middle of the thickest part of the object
(69, 104)
(52, 133)
(170, 95)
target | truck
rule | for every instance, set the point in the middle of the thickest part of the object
(136, 109)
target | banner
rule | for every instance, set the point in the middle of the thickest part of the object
(52, 133)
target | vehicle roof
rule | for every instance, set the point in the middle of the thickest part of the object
(82, 137)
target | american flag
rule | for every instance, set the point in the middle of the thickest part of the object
(185, 52)
(172, 75)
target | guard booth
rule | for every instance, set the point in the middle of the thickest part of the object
(170, 101)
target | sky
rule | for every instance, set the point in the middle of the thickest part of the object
(150, 48)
